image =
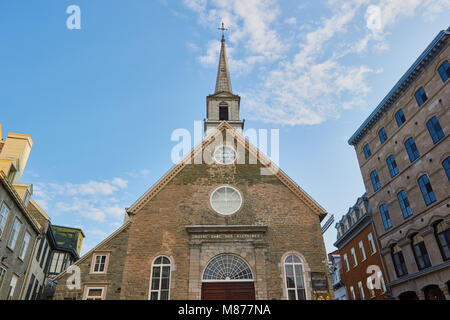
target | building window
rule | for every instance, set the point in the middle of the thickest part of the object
(373, 249)
(442, 233)
(435, 130)
(295, 284)
(355, 260)
(427, 190)
(225, 155)
(412, 150)
(223, 112)
(227, 267)
(25, 244)
(58, 262)
(14, 234)
(4, 212)
(420, 252)
(444, 71)
(27, 197)
(367, 152)
(347, 265)
(352, 292)
(385, 216)
(362, 208)
(12, 287)
(2, 276)
(383, 284)
(392, 165)
(375, 180)
(226, 200)
(382, 134)
(30, 287)
(399, 261)
(445, 164)
(361, 291)
(100, 263)
(400, 117)
(160, 279)
(404, 204)
(362, 251)
(346, 224)
(94, 293)
(421, 96)
(353, 217)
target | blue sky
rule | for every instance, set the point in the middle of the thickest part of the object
(102, 102)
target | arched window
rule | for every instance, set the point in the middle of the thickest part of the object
(446, 165)
(442, 233)
(227, 267)
(399, 261)
(400, 117)
(160, 279)
(411, 148)
(427, 190)
(444, 71)
(421, 96)
(404, 204)
(295, 283)
(420, 252)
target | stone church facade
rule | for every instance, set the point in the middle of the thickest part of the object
(230, 226)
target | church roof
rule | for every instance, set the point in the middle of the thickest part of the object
(223, 82)
(283, 177)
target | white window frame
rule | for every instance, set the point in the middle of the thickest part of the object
(355, 259)
(161, 265)
(3, 273)
(13, 236)
(361, 291)
(14, 280)
(25, 245)
(228, 213)
(220, 161)
(296, 288)
(373, 248)
(362, 251)
(383, 284)
(347, 264)
(88, 288)
(3, 218)
(94, 259)
(352, 292)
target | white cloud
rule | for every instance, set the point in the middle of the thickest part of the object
(314, 83)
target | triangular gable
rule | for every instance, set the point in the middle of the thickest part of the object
(263, 159)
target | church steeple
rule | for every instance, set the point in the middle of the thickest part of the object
(223, 105)
(223, 81)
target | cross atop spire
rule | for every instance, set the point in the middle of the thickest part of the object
(223, 82)
(223, 30)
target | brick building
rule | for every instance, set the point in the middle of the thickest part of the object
(216, 229)
(360, 254)
(403, 151)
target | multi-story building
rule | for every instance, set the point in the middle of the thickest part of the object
(403, 151)
(337, 280)
(19, 231)
(360, 255)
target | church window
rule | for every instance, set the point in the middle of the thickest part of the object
(160, 279)
(227, 267)
(295, 283)
(225, 155)
(223, 111)
(226, 200)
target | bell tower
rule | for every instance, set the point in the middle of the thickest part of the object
(223, 105)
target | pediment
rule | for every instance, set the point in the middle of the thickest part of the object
(265, 161)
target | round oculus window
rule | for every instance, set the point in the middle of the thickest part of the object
(226, 200)
(225, 155)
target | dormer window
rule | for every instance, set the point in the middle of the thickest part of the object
(27, 197)
(223, 111)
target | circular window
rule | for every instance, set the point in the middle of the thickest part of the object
(226, 200)
(225, 155)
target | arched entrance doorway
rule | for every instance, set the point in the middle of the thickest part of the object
(408, 295)
(432, 292)
(228, 277)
